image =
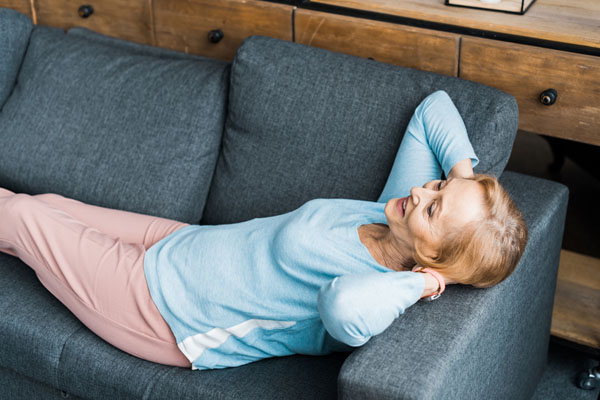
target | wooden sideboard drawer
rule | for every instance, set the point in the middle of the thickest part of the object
(527, 71)
(22, 6)
(125, 19)
(383, 41)
(217, 28)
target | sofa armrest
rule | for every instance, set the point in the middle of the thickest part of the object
(473, 343)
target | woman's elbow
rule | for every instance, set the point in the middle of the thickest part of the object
(338, 318)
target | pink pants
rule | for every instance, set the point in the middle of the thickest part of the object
(92, 259)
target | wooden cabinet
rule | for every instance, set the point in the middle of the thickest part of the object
(125, 19)
(406, 46)
(574, 22)
(23, 6)
(526, 72)
(555, 45)
(216, 28)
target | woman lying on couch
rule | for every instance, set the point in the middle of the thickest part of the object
(325, 277)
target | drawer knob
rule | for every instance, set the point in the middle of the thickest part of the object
(215, 35)
(85, 11)
(548, 97)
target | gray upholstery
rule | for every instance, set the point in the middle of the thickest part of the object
(15, 29)
(305, 123)
(126, 130)
(85, 121)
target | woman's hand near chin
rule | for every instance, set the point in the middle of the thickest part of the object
(462, 169)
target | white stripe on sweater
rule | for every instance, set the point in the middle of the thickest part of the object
(193, 346)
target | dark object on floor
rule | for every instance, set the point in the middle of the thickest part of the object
(559, 381)
(589, 379)
(584, 155)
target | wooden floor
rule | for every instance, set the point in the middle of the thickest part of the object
(576, 314)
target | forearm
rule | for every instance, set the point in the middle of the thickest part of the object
(462, 169)
(445, 131)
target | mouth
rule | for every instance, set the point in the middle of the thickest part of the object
(401, 205)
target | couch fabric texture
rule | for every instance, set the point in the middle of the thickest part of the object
(14, 34)
(129, 126)
(131, 131)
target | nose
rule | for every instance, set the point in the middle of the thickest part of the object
(418, 193)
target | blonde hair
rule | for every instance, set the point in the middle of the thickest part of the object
(484, 252)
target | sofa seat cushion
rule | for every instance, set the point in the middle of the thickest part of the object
(306, 123)
(15, 29)
(114, 124)
(43, 342)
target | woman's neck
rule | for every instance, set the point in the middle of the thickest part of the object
(384, 248)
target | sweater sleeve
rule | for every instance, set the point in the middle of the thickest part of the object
(435, 140)
(356, 307)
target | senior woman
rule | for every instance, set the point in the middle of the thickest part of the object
(325, 277)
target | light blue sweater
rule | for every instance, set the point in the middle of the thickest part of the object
(300, 282)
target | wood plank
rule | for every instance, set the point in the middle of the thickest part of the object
(411, 47)
(125, 19)
(574, 22)
(527, 71)
(22, 6)
(184, 25)
(576, 314)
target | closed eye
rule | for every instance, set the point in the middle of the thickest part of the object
(430, 210)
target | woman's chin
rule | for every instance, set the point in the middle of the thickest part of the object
(390, 210)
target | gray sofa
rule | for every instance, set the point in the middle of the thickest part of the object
(139, 128)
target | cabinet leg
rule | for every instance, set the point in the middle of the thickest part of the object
(589, 379)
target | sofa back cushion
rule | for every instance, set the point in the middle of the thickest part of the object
(114, 123)
(15, 29)
(306, 123)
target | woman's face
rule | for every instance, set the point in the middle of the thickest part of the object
(430, 211)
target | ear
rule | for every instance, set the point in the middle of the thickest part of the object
(426, 251)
